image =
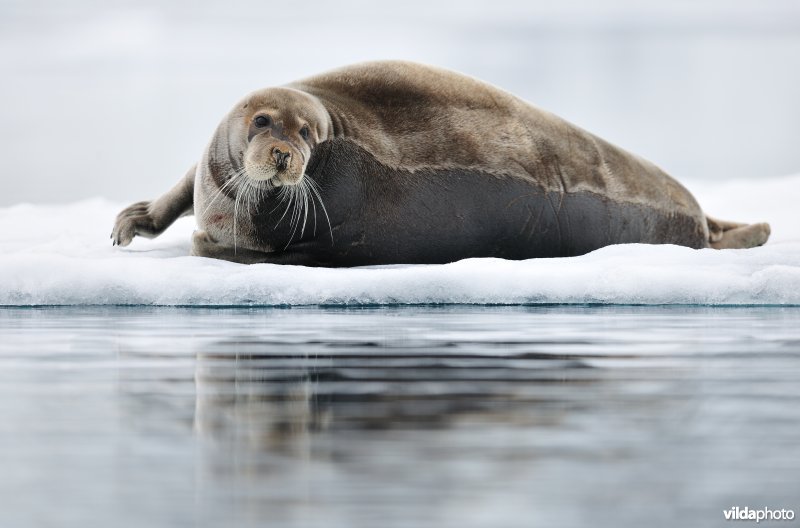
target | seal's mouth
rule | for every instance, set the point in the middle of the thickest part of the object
(281, 165)
(273, 176)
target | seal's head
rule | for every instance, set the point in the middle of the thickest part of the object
(277, 128)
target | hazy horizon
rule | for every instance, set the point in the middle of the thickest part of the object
(119, 99)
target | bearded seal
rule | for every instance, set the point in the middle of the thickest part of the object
(395, 162)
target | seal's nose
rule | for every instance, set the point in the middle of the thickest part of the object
(281, 158)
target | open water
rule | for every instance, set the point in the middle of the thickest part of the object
(402, 416)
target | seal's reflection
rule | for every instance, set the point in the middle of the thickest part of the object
(241, 400)
(276, 396)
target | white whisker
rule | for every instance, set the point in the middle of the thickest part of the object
(313, 204)
(233, 179)
(304, 189)
(295, 214)
(236, 215)
(284, 192)
(315, 190)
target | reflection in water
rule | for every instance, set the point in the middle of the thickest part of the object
(421, 416)
(242, 400)
(275, 399)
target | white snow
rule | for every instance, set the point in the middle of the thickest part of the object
(62, 255)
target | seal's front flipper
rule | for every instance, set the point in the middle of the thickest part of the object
(733, 235)
(133, 220)
(150, 219)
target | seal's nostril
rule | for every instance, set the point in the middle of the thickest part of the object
(281, 158)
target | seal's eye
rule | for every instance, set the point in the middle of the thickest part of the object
(304, 132)
(262, 121)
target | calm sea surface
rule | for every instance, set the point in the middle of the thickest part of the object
(383, 417)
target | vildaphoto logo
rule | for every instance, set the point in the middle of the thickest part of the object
(764, 514)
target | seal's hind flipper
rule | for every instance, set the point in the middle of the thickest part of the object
(733, 235)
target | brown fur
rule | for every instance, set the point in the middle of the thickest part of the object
(416, 117)
(412, 117)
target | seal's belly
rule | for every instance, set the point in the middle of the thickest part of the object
(380, 215)
(449, 216)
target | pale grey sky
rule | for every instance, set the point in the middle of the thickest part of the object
(117, 99)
